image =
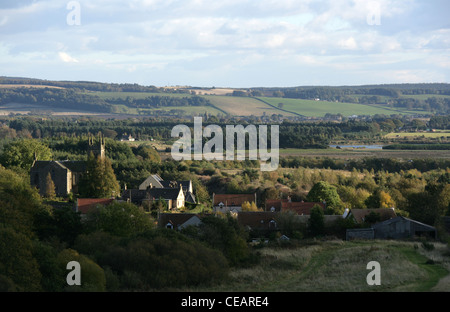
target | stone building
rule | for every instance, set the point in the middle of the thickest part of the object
(66, 174)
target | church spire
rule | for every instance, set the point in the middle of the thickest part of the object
(97, 148)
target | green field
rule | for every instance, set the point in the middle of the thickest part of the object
(235, 106)
(425, 96)
(311, 108)
(436, 134)
(356, 153)
(249, 106)
(244, 106)
(340, 266)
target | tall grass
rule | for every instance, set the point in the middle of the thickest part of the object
(337, 266)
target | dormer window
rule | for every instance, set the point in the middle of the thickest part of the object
(272, 224)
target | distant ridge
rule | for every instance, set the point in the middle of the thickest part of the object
(419, 100)
(134, 87)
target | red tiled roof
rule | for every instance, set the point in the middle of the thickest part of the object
(233, 199)
(385, 213)
(86, 204)
(176, 219)
(256, 219)
(276, 203)
(300, 208)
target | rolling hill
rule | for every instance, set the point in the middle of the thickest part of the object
(28, 95)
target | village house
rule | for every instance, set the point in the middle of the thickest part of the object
(300, 208)
(359, 215)
(127, 138)
(152, 181)
(178, 221)
(274, 204)
(84, 205)
(174, 197)
(257, 220)
(231, 202)
(155, 181)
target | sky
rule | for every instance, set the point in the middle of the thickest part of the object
(227, 43)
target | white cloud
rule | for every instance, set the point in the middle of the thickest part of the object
(246, 37)
(67, 58)
(349, 43)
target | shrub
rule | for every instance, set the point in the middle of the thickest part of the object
(316, 223)
(157, 259)
(92, 275)
(427, 246)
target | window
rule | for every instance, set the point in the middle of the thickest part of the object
(272, 224)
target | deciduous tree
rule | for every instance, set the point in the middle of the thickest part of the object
(21, 153)
(325, 192)
(247, 206)
(120, 219)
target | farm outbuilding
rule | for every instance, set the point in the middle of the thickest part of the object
(366, 233)
(401, 227)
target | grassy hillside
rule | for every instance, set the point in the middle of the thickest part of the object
(338, 266)
(244, 106)
(311, 108)
(247, 106)
(403, 99)
(232, 105)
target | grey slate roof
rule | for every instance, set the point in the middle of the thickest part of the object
(165, 193)
(72, 165)
(172, 184)
(189, 198)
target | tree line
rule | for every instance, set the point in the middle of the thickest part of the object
(54, 98)
(440, 122)
(292, 134)
(74, 99)
(333, 93)
(160, 101)
(81, 85)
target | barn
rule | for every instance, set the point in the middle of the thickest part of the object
(401, 227)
